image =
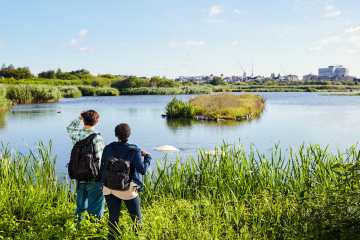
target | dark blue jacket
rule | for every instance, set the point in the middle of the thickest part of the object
(137, 165)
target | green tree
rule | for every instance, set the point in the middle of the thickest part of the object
(217, 81)
(49, 74)
(11, 72)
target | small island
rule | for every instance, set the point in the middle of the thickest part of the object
(219, 107)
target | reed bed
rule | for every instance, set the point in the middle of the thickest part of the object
(166, 91)
(4, 102)
(96, 91)
(70, 91)
(32, 93)
(304, 193)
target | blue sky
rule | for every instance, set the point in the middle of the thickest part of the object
(181, 38)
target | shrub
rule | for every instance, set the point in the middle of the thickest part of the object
(100, 82)
(93, 91)
(109, 76)
(217, 81)
(70, 92)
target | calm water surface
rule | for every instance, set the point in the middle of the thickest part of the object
(291, 118)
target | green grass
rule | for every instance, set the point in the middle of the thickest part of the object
(4, 102)
(225, 106)
(32, 93)
(70, 91)
(166, 91)
(94, 91)
(304, 193)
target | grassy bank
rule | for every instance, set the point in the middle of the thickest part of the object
(233, 194)
(225, 106)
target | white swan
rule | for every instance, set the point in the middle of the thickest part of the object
(167, 148)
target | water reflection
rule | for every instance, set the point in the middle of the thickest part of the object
(2, 119)
(176, 124)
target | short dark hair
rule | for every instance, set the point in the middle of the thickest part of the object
(90, 117)
(123, 132)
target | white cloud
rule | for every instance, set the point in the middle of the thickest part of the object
(25, 63)
(158, 67)
(186, 64)
(294, 60)
(112, 47)
(124, 44)
(314, 49)
(237, 11)
(76, 41)
(335, 39)
(236, 42)
(215, 10)
(187, 43)
(193, 43)
(351, 30)
(2, 42)
(333, 14)
(328, 7)
(213, 56)
(82, 33)
(355, 39)
(88, 49)
(351, 51)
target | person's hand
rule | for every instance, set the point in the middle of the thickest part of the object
(81, 117)
(143, 153)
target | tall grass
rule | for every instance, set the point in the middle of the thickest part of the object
(32, 93)
(166, 91)
(70, 91)
(4, 102)
(304, 193)
(216, 106)
(94, 91)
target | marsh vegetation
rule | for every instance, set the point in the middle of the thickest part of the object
(225, 106)
(307, 193)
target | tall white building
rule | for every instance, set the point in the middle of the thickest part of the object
(333, 71)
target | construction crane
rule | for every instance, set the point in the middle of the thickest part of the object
(252, 72)
(244, 74)
(282, 69)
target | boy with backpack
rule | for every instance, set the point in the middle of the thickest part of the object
(84, 164)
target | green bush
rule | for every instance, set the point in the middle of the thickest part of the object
(93, 91)
(70, 92)
(100, 82)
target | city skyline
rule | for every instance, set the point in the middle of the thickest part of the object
(175, 38)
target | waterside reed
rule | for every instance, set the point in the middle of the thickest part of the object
(32, 93)
(304, 193)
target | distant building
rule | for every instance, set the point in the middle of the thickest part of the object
(310, 77)
(333, 71)
(292, 78)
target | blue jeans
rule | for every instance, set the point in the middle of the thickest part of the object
(90, 198)
(114, 205)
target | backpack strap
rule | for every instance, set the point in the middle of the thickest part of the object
(128, 153)
(115, 152)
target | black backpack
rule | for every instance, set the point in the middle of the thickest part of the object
(117, 171)
(83, 163)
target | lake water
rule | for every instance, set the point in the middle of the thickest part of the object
(291, 118)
